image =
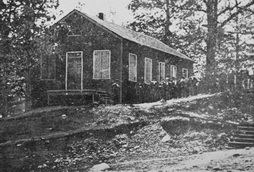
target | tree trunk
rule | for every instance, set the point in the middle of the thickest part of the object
(211, 41)
(28, 85)
(28, 92)
(167, 33)
(3, 96)
(167, 24)
(4, 103)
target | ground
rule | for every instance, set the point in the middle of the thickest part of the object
(223, 160)
(188, 134)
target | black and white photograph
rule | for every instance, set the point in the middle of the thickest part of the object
(126, 85)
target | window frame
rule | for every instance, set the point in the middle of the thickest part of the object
(151, 70)
(187, 72)
(66, 69)
(136, 72)
(172, 67)
(109, 60)
(164, 71)
(54, 67)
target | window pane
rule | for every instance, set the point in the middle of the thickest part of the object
(44, 67)
(105, 71)
(147, 66)
(162, 71)
(97, 65)
(101, 64)
(173, 71)
(48, 67)
(132, 67)
(185, 73)
(51, 69)
(148, 70)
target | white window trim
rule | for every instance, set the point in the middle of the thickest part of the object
(136, 61)
(173, 66)
(187, 72)
(160, 70)
(109, 64)
(151, 71)
(66, 69)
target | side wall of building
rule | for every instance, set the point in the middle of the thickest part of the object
(131, 91)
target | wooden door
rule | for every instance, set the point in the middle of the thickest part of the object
(74, 71)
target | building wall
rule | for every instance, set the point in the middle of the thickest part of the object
(93, 38)
(130, 93)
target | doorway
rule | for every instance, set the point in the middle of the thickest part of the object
(74, 70)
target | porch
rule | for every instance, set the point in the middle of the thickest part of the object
(77, 97)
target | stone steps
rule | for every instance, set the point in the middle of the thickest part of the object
(251, 124)
(247, 128)
(243, 137)
(237, 139)
(240, 131)
(240, 144)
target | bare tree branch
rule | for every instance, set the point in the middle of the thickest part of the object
(228, 9)
(241, 9)
(249, 10)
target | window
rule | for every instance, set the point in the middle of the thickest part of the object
(132, 67)
(173, 71)
(101, 64)
(185, 73)
(161, 71)
(48, 67)
(74, 70)
(148, 71)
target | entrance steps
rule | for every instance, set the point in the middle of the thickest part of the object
(243, 137)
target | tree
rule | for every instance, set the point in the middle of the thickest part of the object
(214, 11)
(21, 24)
(179, 28)
(213, 15)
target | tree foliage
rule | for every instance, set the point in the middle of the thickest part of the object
(21, 24)
(199, 28)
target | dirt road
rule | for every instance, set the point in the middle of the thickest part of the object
(224, 160)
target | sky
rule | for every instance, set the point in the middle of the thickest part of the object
(115, 10)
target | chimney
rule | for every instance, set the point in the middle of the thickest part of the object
(101, 16)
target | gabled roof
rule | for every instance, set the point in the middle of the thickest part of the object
(131, 35)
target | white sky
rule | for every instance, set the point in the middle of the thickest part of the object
(119, 16)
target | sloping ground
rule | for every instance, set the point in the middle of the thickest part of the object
(114, 134)
(65, 120)
(225, 160)
(215, 115)
(222, 160)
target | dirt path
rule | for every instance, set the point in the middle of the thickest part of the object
(173, 101)
(225, 160)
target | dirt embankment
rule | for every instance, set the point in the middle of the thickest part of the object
(136, 138)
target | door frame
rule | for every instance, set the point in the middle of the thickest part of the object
(66, 69)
